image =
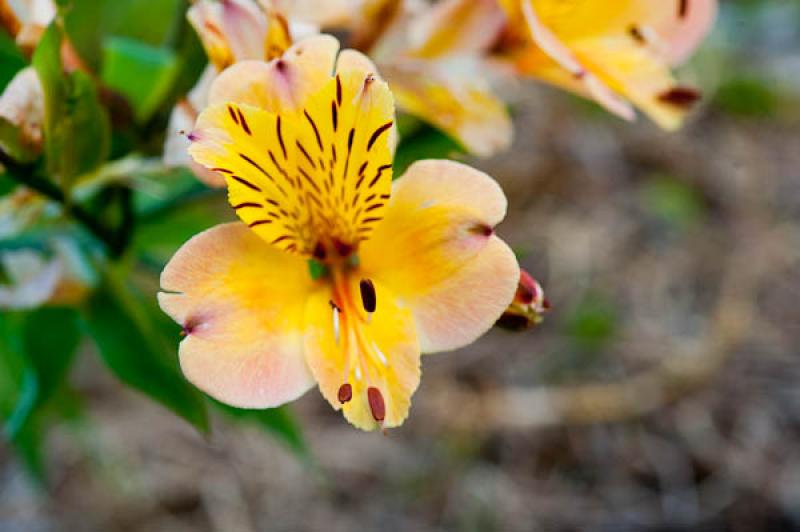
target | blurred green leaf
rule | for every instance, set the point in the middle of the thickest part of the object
(76, 127)
(277, 421)
(142, 73)
(424, 142)
(89, 23)
(164, 230)
(11, 59)
(747, 97)
(14, 144)
(48, 341)
(592, 324)
(673, 202)
(130, 344)
(27, 442)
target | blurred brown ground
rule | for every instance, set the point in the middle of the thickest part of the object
(653, 248)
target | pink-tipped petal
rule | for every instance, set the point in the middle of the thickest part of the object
(445, 262)
(241, 304)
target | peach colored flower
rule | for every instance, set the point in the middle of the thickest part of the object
(410, 267)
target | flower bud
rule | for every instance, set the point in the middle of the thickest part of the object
(528, 307)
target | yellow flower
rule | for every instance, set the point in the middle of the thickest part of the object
(618, 53)
(303, 143)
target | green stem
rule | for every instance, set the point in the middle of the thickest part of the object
(111, 239)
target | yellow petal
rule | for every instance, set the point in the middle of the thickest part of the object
(241, 304)
(607, 51)
(379, 351)
(438, 253)
(456, 99)
(639, 74)
(281, 84)
(456, 27)
(206, 18)
(311, 181)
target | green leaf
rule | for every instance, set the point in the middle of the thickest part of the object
(89, 23)
(142, 73)
(11, 59)
(48, 342)
(130, 344)
(425, 142)
(77, 131)
(277, 421)
(27, 442)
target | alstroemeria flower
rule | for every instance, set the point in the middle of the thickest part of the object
(618, 53)
(304, 146)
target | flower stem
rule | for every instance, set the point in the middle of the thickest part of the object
(114, 241)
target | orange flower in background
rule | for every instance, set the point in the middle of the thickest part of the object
(433, 58)
(410, 267)
(617, 53)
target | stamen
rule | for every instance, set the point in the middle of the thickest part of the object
(368, 297)
(319, 252)
(380, 354)
(336, 311)
(345, 393)
(376, 404)
(679, 96)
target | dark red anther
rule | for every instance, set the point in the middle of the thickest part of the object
(343, 249)
(680, 96)
(345, 393)
(281, 65)
(376, 404)
(368, 297)
(319, 251)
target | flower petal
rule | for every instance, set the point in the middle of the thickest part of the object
(456, 27)
(307, 181)
(181, 121)
(609, 52)
(380, 352)
(241, 304)
(684, 32)
(453, 96)
(22, 104)
(281, 84)
(444, 261)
